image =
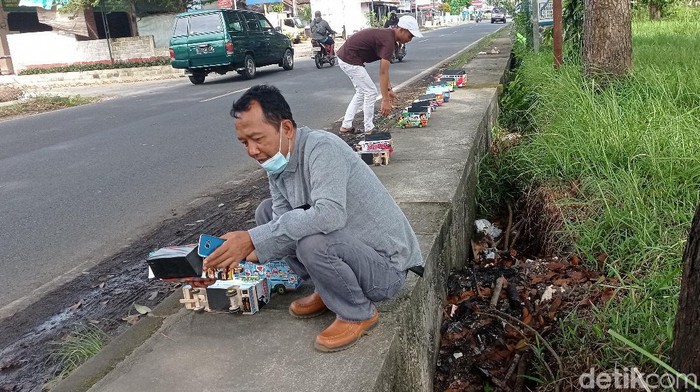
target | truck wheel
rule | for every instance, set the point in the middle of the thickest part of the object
(288, 60)
(280, 289)
(249, 69)
(197, 78)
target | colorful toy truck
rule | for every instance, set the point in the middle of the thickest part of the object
(430, 98)
(376, 148)
(459, 75)
(279, 276)
(412, 119)
(439, 89)
(245, 295)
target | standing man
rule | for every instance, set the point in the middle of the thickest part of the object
(329, 217)
(367, 46)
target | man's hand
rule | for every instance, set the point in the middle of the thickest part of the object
(252, 257)
(237, 246)
(388, 104)
(194, 282)
(386, 107)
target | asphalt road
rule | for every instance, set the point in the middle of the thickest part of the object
(78, 184)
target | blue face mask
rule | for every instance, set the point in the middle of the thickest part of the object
(278, 162)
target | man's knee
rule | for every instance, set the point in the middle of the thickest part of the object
(310, 246)
(263, 213)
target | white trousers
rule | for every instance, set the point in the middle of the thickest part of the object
(365, 95)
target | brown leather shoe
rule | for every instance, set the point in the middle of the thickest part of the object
(344, 334)
(307, 307)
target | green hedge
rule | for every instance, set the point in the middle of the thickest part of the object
(95, 66)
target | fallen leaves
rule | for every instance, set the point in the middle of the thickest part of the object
(481, 352)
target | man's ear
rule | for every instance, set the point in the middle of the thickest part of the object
(287, 129)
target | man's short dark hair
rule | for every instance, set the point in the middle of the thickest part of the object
(275, 108)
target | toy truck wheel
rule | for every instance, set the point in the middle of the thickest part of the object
(280, 289)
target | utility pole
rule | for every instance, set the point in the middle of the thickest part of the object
(5, 59)
(294, 8)
(558, 34)
(535, 25)
(106, 27)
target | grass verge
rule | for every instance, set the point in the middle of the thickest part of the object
(75, 349)
(42, 104)
(625, 171)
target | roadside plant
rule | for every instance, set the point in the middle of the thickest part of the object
(76, 348)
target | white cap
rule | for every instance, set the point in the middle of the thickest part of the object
(409, 23)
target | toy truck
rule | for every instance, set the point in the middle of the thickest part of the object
(439, 89)
(375, 149)
(419, 107)
(279, 276)
(430, 99)
(245, 295)
(413, 119)
(459, 75)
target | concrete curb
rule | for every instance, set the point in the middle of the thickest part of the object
(87, 374)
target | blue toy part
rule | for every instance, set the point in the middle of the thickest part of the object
(278, 273)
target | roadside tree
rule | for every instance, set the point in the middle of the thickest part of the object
(686, 334)
(607, 39)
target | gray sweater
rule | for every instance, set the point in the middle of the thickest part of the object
(343, 192)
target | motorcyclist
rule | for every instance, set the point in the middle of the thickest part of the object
(321, 31)
(392, 21)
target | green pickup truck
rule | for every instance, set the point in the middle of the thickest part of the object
(223, 40)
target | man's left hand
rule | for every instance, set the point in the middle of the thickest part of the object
(387, 105)
(237, 246)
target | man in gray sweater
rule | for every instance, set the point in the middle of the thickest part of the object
(329, 217)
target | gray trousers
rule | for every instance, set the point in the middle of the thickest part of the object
(348, 275)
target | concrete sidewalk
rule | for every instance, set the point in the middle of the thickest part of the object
(432, 176)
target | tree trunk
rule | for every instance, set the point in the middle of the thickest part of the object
(654, 11)
(686, 333)
(132, 20)
(90, 22)
(607, 38)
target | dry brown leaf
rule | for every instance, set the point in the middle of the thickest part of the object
(556, 303)
(461, 297)
(555, 266)
(561, 282)
(522, 344)
(575, 260)
(607, 294)
(537, 279)
(76, 305)
(577, 276)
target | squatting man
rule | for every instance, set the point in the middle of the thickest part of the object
(329, 218)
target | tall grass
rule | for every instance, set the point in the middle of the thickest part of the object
(75, 349)
(634, 151)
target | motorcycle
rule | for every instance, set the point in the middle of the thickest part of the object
(478, 18)
(323, 53)
(399, 52)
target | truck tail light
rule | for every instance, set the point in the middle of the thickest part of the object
(172, 54)
(229, 48)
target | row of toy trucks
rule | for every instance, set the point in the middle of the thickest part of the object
(245, 289)
(436, 94)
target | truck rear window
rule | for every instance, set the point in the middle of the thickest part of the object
(180, 27)
(205, 23)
